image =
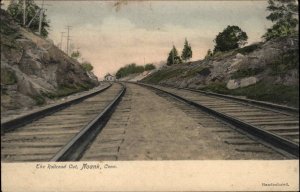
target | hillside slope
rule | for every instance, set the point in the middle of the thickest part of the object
(33, 70)
(265, 71)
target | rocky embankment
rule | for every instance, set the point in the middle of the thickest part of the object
(34, 71)
(265, 71)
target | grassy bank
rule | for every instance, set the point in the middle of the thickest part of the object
(281, 94)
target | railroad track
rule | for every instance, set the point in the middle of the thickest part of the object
(61, 132)
(272, 125)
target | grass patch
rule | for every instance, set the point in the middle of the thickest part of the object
(163, 75)
(8, 77)
(65, 90)
(246, 72)
(199, 70)
(282, 94)
(39, 100)
(217, 88)
(284, 62)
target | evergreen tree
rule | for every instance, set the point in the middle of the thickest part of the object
(208, 54)
(15, 9)
(187, 51)
(173, 57)
(284, 13)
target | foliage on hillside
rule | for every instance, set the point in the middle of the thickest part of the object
(15, 9)
(187, 52)
(232, 37)
(132, 69)
(284, 14)
(173, 57)
(87, 66)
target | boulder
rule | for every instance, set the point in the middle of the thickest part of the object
(240, 56)
(248, 81)
(232, 84)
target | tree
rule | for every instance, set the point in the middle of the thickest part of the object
(149, 67)
(173, 57)
(87, 66)
(284, 14)
(129, 69)
(15, 9)
(75, 55)
(208, 54)
(230, 38)
(187, 51)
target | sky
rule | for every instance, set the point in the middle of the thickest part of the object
(144, 31)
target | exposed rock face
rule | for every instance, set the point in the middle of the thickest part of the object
(36, 68)
(248, 81)
(238, 68)
(244, 82)
(272, 66)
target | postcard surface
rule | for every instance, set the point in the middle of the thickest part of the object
(149, 95)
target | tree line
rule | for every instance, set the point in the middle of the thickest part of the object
(133, 68)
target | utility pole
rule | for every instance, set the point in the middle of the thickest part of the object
(41, 18)
(24, 12)
(61, 40)
(68, 39)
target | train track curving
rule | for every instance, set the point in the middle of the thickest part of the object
(104, 124)
(60, 132)
(273, 125)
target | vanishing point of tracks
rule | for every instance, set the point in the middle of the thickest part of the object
(70, 131)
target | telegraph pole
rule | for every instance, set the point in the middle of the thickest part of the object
(61, 40)
(24, 12)
(68, 39)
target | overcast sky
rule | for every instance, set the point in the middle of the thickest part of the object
(145, 30)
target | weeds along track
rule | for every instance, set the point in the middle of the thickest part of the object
(61, 135)
(275, 127)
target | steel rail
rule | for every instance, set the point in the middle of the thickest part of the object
(278, 143)
(12, 124)
(75, 148)
(269, 106)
